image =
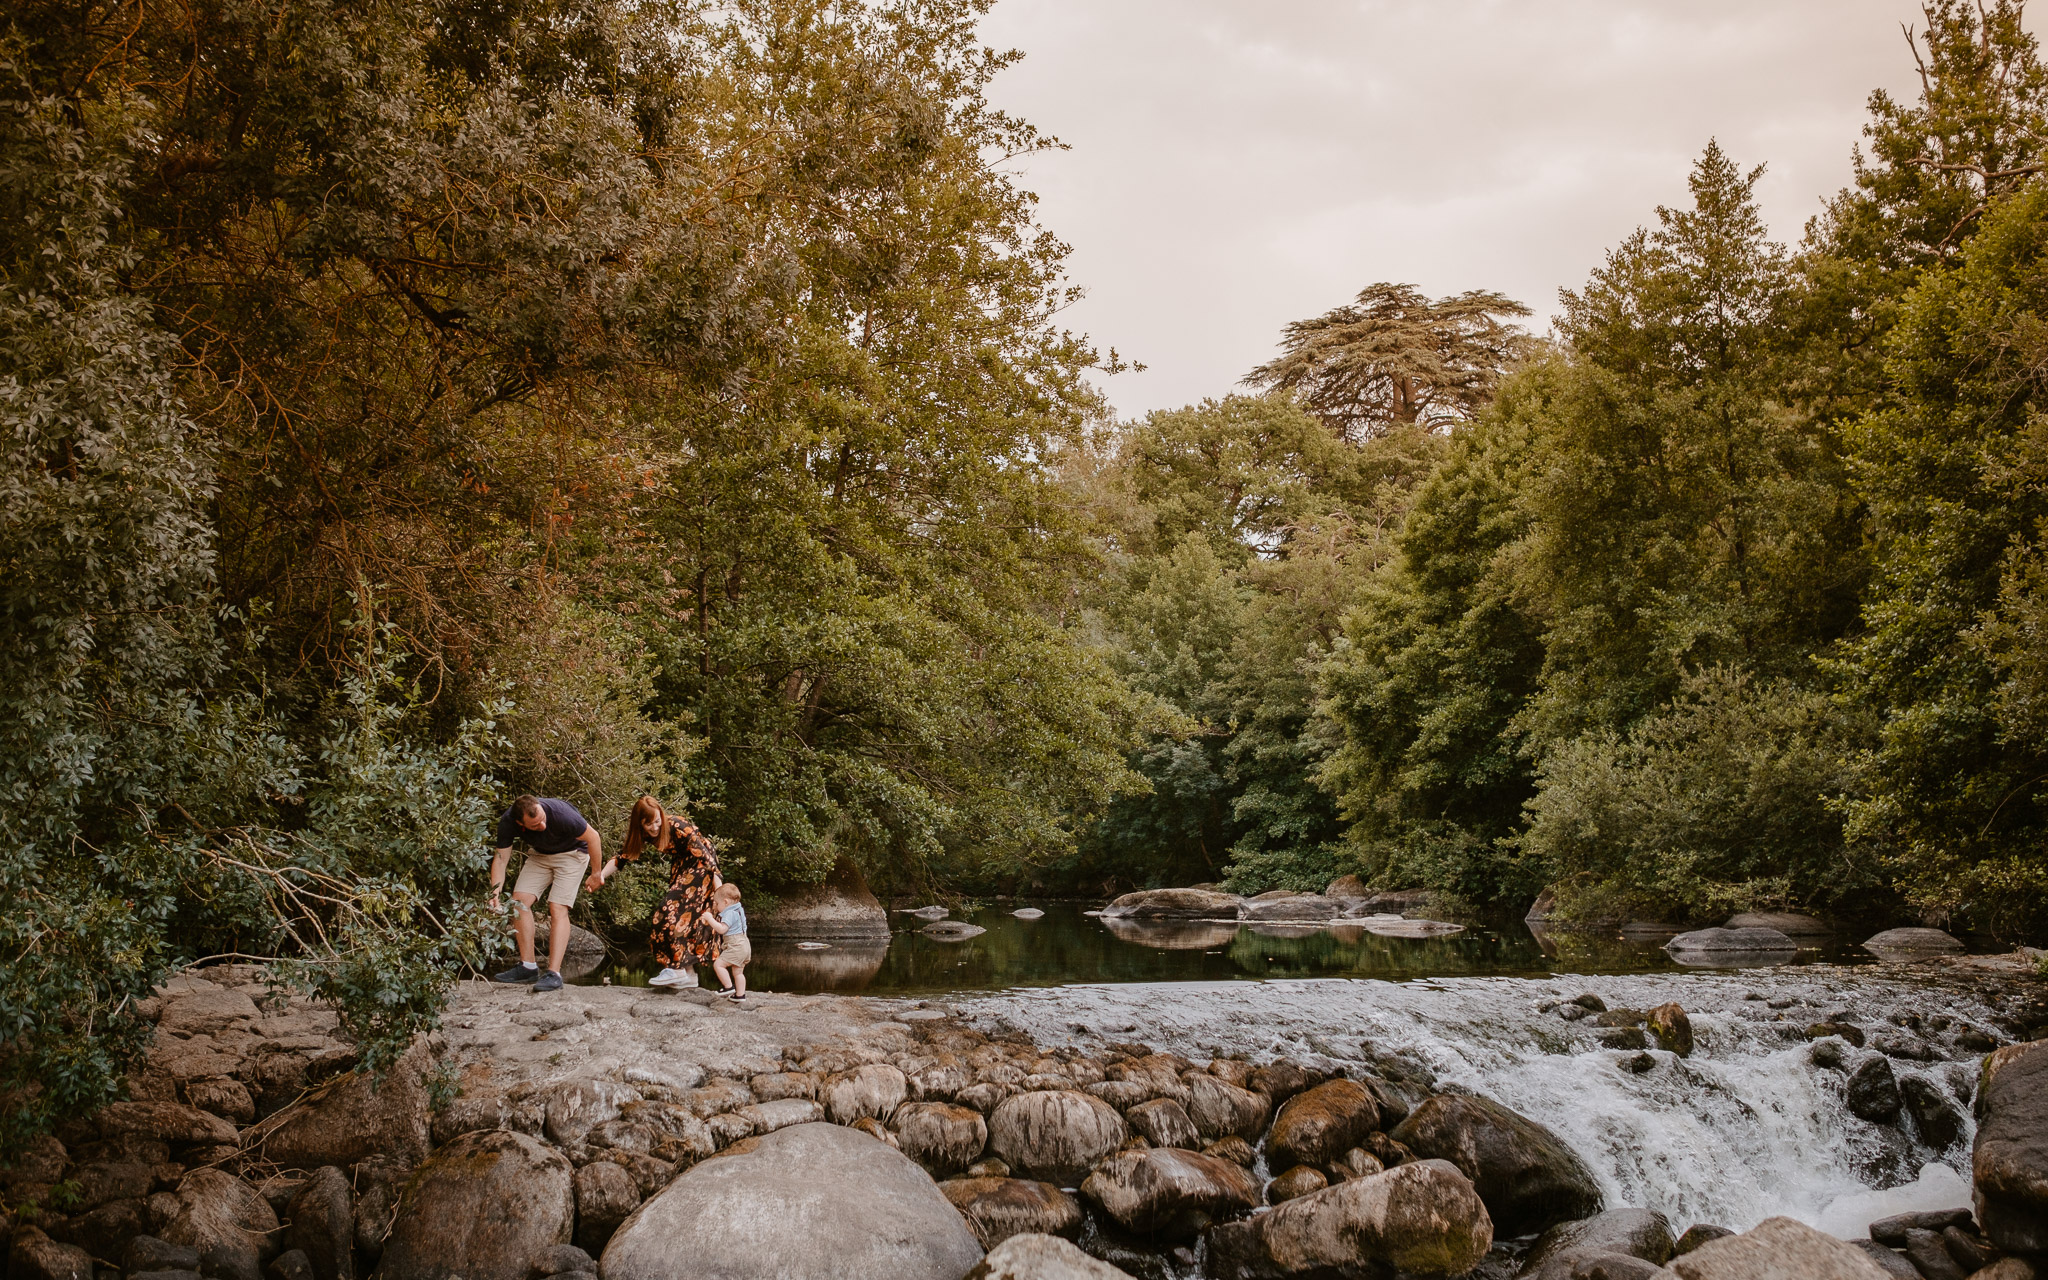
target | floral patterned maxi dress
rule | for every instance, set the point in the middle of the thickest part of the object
(680, 939)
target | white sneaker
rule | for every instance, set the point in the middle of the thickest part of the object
(673, 978)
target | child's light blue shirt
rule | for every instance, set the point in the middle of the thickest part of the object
(734, 918)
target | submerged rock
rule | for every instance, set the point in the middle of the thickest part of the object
(1042, 1257)
(1057, 1134)
(816, 1200)
(1873, 1090)
(1412, 928)
(1528, 1177)
(1911, 942)
(1176, 904)
(1792, 924)
(1731, 940)
(952, 931)
(1167, 1191)
(1777, 1249)
(2009, 1160)
(998, 1208)
(1423, 1218)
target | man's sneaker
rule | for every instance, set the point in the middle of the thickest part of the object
(673, 978)
(549, 981)
(518, 973)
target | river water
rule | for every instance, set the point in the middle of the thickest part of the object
(1745, 1128)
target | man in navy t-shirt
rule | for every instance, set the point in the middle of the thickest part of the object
(559, 846)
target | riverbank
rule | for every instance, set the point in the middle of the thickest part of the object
(1151, 1123)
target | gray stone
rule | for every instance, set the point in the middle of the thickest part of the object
(1732, 940)
(321, 1223)
(233, 1228)
(1911, 942)
(1318, 1125)
(839, 907)
(480, 1208)
(1057, 1135)
(1042, 1257)
(767, 1117)
(2009, 1160)
(1164, 1123)
(605, 1195)
(816, 1200)
(998, 1208)
(1424, 1218)
(1934, 1113)
(1528, 1177)
(1777, 1249)
(1176, 904)
(1638, 1233)
(1167, 1191)
(940, 1136)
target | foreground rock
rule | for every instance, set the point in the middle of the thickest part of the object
(1042, 1257)
(1634, 1233)
(481, 1208)
(998, 1208)
(1777, 1249)
(811, 1200)
(1167, 1191)
(1424, 1219)
(841, 906)
(1529, 1179)
(1176, 904)
(1056, 1134)
(2009, 1160)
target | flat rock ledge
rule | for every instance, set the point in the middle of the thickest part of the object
(635, 1135)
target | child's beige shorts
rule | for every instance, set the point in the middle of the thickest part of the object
(736, 951)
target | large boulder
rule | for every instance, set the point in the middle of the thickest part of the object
(1743, 941)
(1042, 1257)
(816, 1200)
(1777, 1249)
(1176, 904)
(1320, 1124)
(941, 1136)
(1637, 1233)
(1309, 908)
(1055, 1134)
(233, 1228)
(321, 1223)
(1168, 1191)
(998, 1208)
(1422, 1219)
(1528, 1177)
(355, 1117)
(2010, 1158)
(1911, 942)
(1220, 1109)
(480, 1209)
(840, 906)
(1792, 924)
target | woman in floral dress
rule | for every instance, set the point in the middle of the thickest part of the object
(679, 938)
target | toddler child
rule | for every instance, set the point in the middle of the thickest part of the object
(728, 919)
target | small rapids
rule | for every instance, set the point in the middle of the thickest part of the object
(1748, 1127)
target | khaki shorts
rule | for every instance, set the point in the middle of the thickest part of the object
(563, 871)
(736, 951)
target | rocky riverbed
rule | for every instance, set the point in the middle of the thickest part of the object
(1276, 1130)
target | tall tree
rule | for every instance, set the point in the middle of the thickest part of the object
(1394, 357)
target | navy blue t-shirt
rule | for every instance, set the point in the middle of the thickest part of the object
(564, 833)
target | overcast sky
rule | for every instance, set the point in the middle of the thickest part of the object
(1237, 164)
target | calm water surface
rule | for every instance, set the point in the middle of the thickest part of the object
(1067, 947)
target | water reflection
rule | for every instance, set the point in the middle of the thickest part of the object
(1067, 947)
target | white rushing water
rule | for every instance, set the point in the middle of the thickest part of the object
(1744, 1129)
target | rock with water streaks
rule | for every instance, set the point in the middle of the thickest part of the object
(1528, 1177)
(2009, 1160)
(1320, 1124)
(1042, 1257)
(998, 1208)
(1168, 1191)
(1056, 1134)
(1637, 1233)
(1424, 1219)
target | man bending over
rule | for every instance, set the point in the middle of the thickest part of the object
(562, 847)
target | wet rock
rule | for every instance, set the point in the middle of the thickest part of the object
(1873, 1090)
(816, 1200)
(1423, 1218)
(1529, 1179)
(998, 1208)
(1234, 1149)
(1891, 1263)
(575, 1107)
(1696, 1235)
(1935, 1115)
(1846, 1031)
(1164, 1123)
(35, 1256)
(1283, 1079)
(1636, 1233)
(1220, 1109)
(840, 907)
(1319, 1124)
(1624, 1038)
(1672, 1027)
(1298, 1181)
(1176, 904)
(1042, 1257)
(1171, 1192)
(481, 1208)
(1911, 942)
(168, 1122)
(1970, 1251)
(355, 1117)
(952, 930)
(1387, 1151)
(1929, 1256)
(2009, 1159)
(321, 1223)
(560, 1259)
(292, 1264)
(1777, 1249)
(605, 1195)
(2011, 1268)
(233, 1228)
(1057, 1135)
(1892, 1230)
(941, 1136)
(873, 1090)
(1762, 941)
(1355, 1163)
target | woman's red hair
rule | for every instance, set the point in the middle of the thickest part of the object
(644, 808)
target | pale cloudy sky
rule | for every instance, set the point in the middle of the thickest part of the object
(1237, 164)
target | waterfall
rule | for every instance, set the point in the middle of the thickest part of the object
(1746, 1128)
